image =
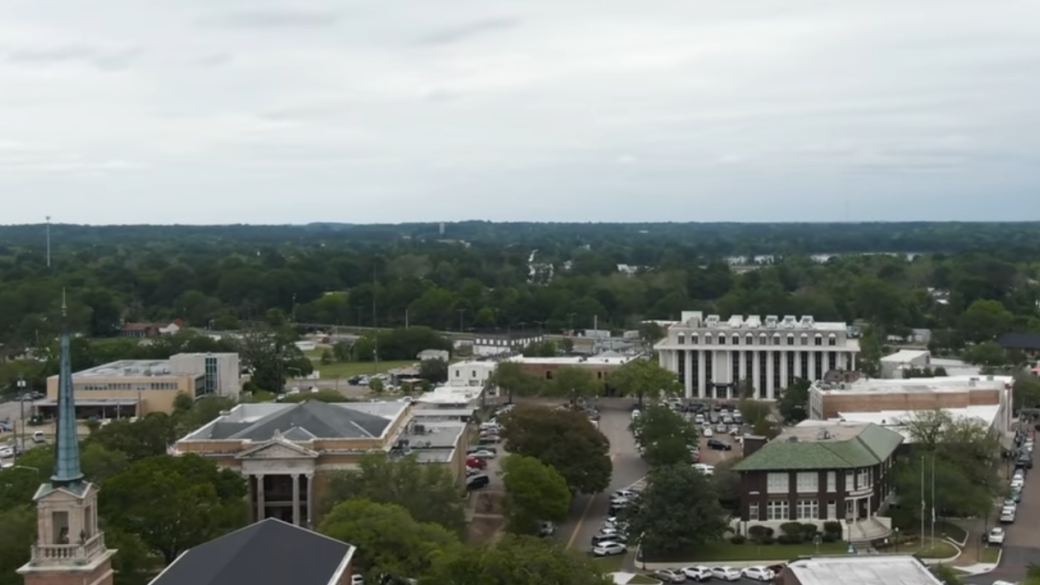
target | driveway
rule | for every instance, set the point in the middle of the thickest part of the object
(588, 512)
(1022, 543)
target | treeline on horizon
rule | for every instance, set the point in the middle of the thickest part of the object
(631, 243)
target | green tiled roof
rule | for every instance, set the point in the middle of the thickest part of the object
(871, 446)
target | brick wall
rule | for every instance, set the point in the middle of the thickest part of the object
(101, 575)
(874, 402)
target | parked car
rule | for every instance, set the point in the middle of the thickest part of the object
(546, 528)
(758, 573)
(1007, 515)
(476, 462)
(484, 454)
(707, 432)
(725, 573)
(608, 549)
(718, 445)
(704, 468)
(6, 451)
(699, 574)
(670, 576)
(618, 537)
(477, 482)
(995, 536)
(1018, 482)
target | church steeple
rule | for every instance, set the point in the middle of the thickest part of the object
(66, 442)
(69, 547)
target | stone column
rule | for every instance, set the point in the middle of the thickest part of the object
(259, 497)
(310, 500)
(811, 376)
(701, 374)
(296, 499)
(687, 357)
(785, 376)
(756, 369)
(853, 357)
(770, 375)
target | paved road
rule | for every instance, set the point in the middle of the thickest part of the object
(588, 512)
(1022, 544)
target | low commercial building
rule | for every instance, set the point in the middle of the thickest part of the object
(433, 354)
(858, 570)
(471, 373)
(137, 387)
(711, 356)
(492, 344)
(892, 366)
(545, 367)
(988, 397)
(286, 451)
(831, 472)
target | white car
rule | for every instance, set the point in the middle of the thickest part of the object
(725, 573)
(357, 580)
(995, 536)
(608, 549)
(704, 468)
(626, 494)
(669, 576)
(697, 573)
(1017, 482)
(483, 454)
(763, 574)
(6, 451)
(708, 433)
(1007, 515)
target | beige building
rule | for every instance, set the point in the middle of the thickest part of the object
(286, 451)
(137, 387)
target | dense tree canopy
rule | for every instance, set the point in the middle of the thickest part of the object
(665, 436)
(535, 493)
(516, 560)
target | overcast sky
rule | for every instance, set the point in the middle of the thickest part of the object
(230, 111)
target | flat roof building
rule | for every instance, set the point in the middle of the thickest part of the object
(892, 366)
(598, 366)
(983, 397)
(711, 356)
(286, 451)
(137, 387)
(858, 570)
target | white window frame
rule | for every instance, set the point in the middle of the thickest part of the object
(778, 510)
(863, 478)
(832, 482)
(808, 509)
(850, 481)
(832, 510)
(778, 483)
(753, 513)
(808, 482)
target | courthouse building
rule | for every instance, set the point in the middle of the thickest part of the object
(712, 357)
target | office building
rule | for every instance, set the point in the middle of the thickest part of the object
(713, 357)
(492, 344)
(137, 387)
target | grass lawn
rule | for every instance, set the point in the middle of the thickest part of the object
(727, 551)
(989, 554)
(643, 580)
(932, 549)
(952, 530)
(348, 369)
(609, 564)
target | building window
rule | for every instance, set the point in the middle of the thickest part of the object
(808, 482)
(776, 339)
(473, 374)
(832, 510)
(778, 483)
(682, 339)
(762, 339)
(778, 510)
(863, 479)
(832, 341)
(752, 511)
(458, 373)
(850, 481)
(693, 339)
(736, 340)
(808, 509)
(707, 339)
(790, 339)
(832, 481)
(805, 339)
(749, 340)
(818, 340)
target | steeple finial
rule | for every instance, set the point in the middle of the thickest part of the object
(66, 442)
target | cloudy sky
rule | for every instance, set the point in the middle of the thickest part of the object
(279, 111)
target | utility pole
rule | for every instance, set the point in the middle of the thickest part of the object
(922, 502)
(21, 400)
(48, 241)
(375, 327)
(933, 499)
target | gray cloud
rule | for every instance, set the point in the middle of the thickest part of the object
(111, 60)
(464, 32)
(273, 19)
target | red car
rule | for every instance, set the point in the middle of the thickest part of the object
(477, 463)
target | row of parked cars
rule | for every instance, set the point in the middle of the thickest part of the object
(701, 574)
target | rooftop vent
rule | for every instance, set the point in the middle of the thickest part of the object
(712, 321)
(807, 322)
(753, 321)
(771, 321)
(789, 321)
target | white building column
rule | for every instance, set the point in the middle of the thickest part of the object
(296, 499)
(770, 375)
(853, 358)
(756, 371)
(259, 497)
(785, 376)
(742, 356)
(811, 375)
(310, 500)
(687, 357)
(797, 365)
(701, 374)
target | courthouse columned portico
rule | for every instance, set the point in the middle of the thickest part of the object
(281, 481)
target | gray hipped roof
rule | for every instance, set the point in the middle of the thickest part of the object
(304, 421)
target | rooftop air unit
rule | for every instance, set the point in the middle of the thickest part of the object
(771, 321)
(807, 322)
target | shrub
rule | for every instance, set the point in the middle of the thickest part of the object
(767, 540)
(789, 539)
(833, 527)
(758, 532)
(737, 539)
(809, 531)
(830, 537)
(791, 529)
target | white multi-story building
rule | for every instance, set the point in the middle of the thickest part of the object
(712, 356)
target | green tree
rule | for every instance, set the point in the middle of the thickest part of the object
(324, 395)
(794, 401)
(200, 413)
(984, 320)
(516, 560)
(535, 492)
(727, 483)
(16, 539)
(429, 493)
(640, 378)
(950, 576)
(573, 383)
(965, 443)
(388, 540)
(174, 503)
(987, 354)
(145, 437)
(665, 436)
(678, 510)
(564, 439)
(540, 349)
(1026, 392)
(515, 380)
(753, 411)
(35, 465)
(435, 371)
(375, 385)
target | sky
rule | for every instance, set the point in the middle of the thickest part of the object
(279, 111)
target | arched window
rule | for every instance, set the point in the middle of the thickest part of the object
(681, 338)
(763, 340)
(832, 339)
(818, 339)
(736, 340)
(805, 339)
(693, 339)
(776, 339)
(707, 339)
(749, 339)
(790, 339)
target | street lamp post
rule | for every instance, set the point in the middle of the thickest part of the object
(848, 522)
(896, 531)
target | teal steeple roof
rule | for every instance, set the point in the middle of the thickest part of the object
(66, 442)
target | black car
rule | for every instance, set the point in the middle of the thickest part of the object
(477, 482)
(718, 445)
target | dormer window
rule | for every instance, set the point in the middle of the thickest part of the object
(832, 339)
(681, 338)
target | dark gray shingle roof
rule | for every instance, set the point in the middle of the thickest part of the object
(307, 420)
(270, 551)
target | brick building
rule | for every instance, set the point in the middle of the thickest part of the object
(832, 472)
(598, 366)
(829, 401)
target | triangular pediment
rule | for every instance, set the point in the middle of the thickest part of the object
(52, 493)
(277, 449)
